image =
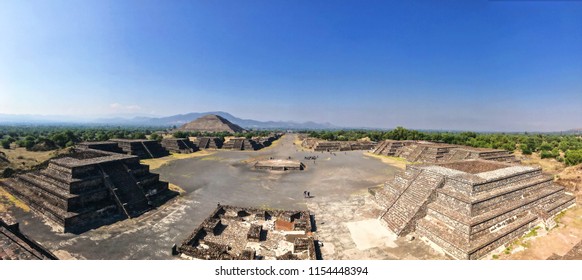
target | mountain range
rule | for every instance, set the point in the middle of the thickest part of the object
(175, 120)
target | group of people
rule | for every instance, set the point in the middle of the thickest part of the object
(311, 157)
(306, 194)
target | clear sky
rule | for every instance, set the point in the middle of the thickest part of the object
(471, 65)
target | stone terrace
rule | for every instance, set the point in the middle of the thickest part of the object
(471, 207)
(90, 188)
(233, 233)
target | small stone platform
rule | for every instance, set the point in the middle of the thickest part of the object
(279, 164)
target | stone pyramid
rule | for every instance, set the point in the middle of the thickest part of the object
(211, 123)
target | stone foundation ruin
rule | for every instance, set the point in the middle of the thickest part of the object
(237, 233)
(179, 145)
(89, 188)
(428, 152)
(279, 165)
(14, 245)
(469, 208)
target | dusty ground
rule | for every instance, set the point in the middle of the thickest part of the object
(349, 229)
(337, 182)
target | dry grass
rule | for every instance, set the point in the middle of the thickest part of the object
(176, 188)
(22, 159)
(394, 161)
(156, 163)
(571, 179)
(548, 165)
(7, 201)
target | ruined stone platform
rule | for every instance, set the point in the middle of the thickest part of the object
(241, 143)
(429, 152)
(207, 142)
(14, 245)
(179, 145)
(470, 207)
(319, 145)
(237, 233)
(108, 146)
(144, 149)
(279, 164)
(89, 188)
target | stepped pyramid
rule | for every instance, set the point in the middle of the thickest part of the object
(211, 123)
(470, 207)
(89, 188)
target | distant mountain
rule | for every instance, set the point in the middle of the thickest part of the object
(576, 131)
(211, 123)
(179, 120)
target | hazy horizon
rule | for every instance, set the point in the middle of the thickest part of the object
(452, 65)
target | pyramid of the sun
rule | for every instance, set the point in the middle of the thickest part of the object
(211, 123)
(470, 207)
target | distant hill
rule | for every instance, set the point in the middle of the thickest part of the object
(179, 120)
(574, 131)
(211, 123)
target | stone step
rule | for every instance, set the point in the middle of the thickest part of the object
(31, 199)
(49, 187)
(562, 203)
(507, 207)
(516, 186)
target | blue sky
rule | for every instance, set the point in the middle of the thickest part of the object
(470, 65)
